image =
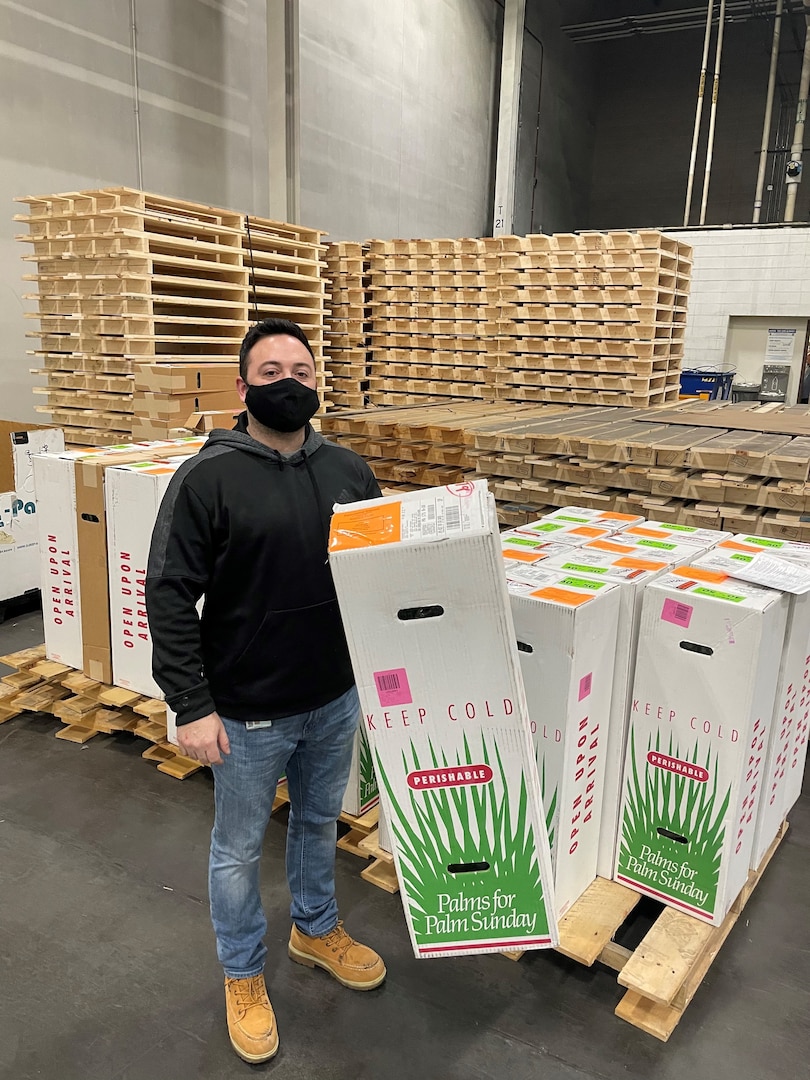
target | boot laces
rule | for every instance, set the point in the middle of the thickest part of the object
(338, 940)
(249, 992)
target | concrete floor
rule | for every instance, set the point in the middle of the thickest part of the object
(109, 972)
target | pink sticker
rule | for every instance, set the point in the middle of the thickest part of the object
(675, 612)
(392, 687)
(585, 686)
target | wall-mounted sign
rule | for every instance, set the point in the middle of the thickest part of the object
(780, 344)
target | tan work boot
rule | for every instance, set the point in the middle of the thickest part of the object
(352, 964)
(251, 1020)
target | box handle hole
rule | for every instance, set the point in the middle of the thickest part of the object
(90, 517)
(430, 611)
(702, 650)
(523, 647)
(670, 835)
(467, 867)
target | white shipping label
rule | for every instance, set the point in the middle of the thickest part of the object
(444, 512)
(773, 573)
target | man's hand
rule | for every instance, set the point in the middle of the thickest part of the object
(202, 740)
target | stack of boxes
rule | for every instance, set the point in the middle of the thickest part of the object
(347, 324)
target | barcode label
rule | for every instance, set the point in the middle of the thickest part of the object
(677, 613)
(585, 684)
(453, 517)
(393, 687)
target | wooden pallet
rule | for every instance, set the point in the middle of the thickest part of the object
(382, 871)
(87, 708)
(665, 971)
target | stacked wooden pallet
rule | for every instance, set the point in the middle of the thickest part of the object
(126, 278)
(593, 318)
(666, 465)
(287, 280)
(347, 269)
(430, 331)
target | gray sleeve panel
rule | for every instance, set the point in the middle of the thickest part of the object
(165, 518)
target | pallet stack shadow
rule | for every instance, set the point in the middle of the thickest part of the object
(347, 269)
(134, 287)
(431, 306)
(592, 319)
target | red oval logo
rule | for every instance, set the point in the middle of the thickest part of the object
(450, 776)
(463, 491)
(682, 768)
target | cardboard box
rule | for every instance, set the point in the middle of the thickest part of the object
(185, 378)
(670, 550)
(566, 632)
(19, 551)
(60, 526)
(681, 534)
(25, 445)
(787, 744)
(564, 532)
(606, 519)
(706, 674)
(518, 547)
(362, 792)
(8, 428)
(424, 601)
(133, 494)
(384, 833)
(55, 486)
(91, 529)
(179, 407)
(633, 570)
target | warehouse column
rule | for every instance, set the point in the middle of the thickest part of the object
(282, 104)
(514, 18)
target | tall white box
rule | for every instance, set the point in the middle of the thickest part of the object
(563, 532)
(787, 744)
(583, 515)
(632, 569)
(133, 495)
(423, 596)
(566, 632)
(706, 673)
(55, 486)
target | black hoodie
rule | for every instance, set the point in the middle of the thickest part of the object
(247, 527)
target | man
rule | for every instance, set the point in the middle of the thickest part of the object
(262, 683)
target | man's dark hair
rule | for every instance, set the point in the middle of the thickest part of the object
(269, 328)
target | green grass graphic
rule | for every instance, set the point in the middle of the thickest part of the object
(368, 779)
(685, 807)
(471, 823)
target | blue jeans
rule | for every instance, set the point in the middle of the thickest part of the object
(315, 750)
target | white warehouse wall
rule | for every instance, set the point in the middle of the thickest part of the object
(67, 122)
(763, 273)
(397, 105)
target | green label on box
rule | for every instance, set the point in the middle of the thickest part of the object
(576, 520)
(548, 526)
(582, 583)
(584, 569)
(764, 543)
(677, 528)
(743, 558)
(516, 541)
(718, 595)
(656, 544)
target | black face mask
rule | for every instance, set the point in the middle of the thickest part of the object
(285, 405)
